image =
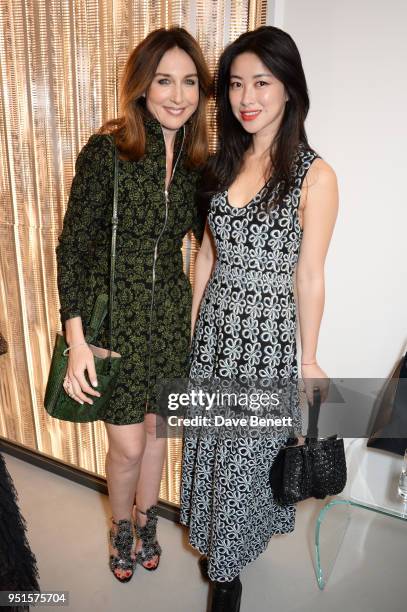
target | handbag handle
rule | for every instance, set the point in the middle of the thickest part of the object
(98, 316)
(113, 249)
(312, 432)
(104, 302)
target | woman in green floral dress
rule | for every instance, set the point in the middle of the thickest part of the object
(161, 140)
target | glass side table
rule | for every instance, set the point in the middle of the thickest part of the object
(372, 484)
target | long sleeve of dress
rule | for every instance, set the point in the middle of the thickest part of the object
(91, 190)
(201, 210)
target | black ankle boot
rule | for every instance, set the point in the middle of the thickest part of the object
(226, 596)
(203, 566)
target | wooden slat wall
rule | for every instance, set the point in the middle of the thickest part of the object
(59, 66)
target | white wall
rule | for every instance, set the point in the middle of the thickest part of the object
(354, 54)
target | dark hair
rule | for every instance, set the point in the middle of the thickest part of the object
(277, 50)
(138, 74)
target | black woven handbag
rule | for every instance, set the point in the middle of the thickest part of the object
(314, 469)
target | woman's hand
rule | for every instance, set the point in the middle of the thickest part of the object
(81, 359)
(313, 376)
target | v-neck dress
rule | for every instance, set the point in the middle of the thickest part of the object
(246, 329)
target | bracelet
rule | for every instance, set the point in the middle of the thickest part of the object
(73, 346)
(310, 363)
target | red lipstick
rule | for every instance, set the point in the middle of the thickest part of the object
(249, 115)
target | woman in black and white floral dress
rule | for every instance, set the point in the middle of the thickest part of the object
(246, 328)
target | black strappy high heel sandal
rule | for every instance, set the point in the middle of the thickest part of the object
(147, 533)
(124, 542)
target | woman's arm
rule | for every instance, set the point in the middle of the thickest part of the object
(85, 210)
(204, 263)
(319, 216)
(85, 214)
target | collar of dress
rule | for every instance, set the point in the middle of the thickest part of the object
(155, 143)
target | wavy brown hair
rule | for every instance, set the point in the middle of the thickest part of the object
(141, 66)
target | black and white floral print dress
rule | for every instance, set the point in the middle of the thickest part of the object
(246, 327)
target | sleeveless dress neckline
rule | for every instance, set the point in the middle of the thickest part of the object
(226, 192)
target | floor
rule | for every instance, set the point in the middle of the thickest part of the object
(67, 529)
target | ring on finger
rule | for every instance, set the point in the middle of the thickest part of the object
(68, 390)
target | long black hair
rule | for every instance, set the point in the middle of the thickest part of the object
(277, 50)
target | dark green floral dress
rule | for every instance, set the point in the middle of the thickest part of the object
(151, 317)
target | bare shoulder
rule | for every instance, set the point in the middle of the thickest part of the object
(320, 174)
(319, 190)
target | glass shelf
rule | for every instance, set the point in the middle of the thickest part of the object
(367, 468)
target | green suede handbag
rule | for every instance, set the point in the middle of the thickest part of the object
(107, 362)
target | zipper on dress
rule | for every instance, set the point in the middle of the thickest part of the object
(155, 260)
